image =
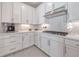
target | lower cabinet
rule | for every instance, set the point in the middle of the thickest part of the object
(13, 48)
(10, 42)
(37, 39)
(2, 51)
(45, 42)
(56, 49)
(72, 51)
(72, 47)
(26, 40)
(53, 45)
(13, 42)
(31, 38)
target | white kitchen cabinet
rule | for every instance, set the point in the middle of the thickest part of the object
(72, 47)
(13, 48)
(58, 23)
(37, 40)
(7, 8)
(41, 13)
(26, 40)
(73, 11)
(12, 43)
(72, 51)
(56, 46)
(17, 12)
(30, 15)
(62, 23)
(0, 16)
(49, 6)
(13, 39)
(24, 11)
(2, 51)
(31, 38)
(35, 19)
(45, 44)
(0, 10)
(59, 4)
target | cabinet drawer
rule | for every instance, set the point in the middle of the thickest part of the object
(10, 41)
(13, 48)
(13, 40)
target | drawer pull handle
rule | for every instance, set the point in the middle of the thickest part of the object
(13, 49)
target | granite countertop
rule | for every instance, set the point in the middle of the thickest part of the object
(56, 33)
(18, 32)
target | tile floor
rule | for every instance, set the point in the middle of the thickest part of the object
(29, 52)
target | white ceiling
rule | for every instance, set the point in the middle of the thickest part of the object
(33, 4)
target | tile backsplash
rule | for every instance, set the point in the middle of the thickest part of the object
(27, 27)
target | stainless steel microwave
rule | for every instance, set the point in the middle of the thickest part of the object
(8, 27)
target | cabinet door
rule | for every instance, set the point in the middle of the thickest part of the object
(73, 10)
(31, 39)
(45, 43)
(17, 12)
(37, 40)
(0, 17)
(26, 40)
(30, 16)
(58, 23)
(2, 51)
(62, 23)
(0, 10)
(49, 6)
(72, 51)
(41, 13)
(24, 14)
(59, 4)
(56, 47)
(35, 20)
(7, 12)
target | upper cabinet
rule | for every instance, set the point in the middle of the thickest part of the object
(73, 11)
(16, 12)
(30, 16)
(49, 6)
(59, 4)
(35, 20)
(24, 13)
(0, 11)
(7, 12)
(41, 13)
